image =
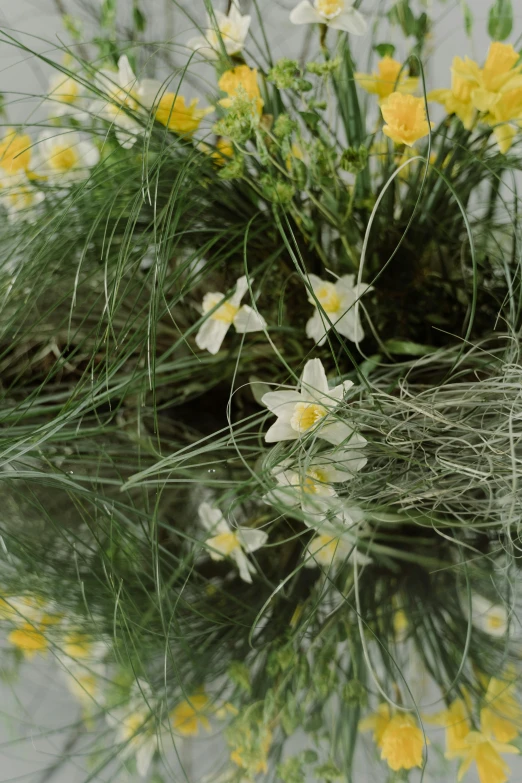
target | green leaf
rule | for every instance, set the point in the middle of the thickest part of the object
(311, 118)
(500, 21)
(468, 18)
(384, 49)
(408, 348)
(140, 20)
(402, 15)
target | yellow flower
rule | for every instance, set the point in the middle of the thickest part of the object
(458, 99)
(15, 151)
(456, 722)
(224, 149)
(500, 74)
(482, 749)
(405, 118)
(238, 81)
(387, 79)
(189, 715)
(378, 722)
(402, 743)
(253, 754)
(177, 116)
(502, 717)
(29, 639)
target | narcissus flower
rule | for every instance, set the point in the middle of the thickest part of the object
(135, 727)
(235, 543)
(485, 751)
(377, 722)
(233, 30)
(388, 78)
(65, 95)
(456, 722)
(64, 156)
(241, 82)
(29, 639)
(191, 715)
(489, 617)
(402, 743)
(178, 116)
(405, 118)
(252, 752)
(309, 409)
(122, 96)
(15, 152)
(338, 14)
(330, 547)
(500, 74)
(502, 717)
(19, 196)
(335, 307)
(222, 313)
(458, 99)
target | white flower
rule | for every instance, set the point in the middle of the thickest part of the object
(220, 318)
(135, 727)
(330, 548)
(231, 543)
(337, 308)
(310, 482)
(233, 30)
(124, 97)
(310, 409)
(489, 617)
(66, 96)
(19, 197)
(64, 157)
(338, 14)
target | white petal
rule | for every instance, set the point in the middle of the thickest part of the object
(211, 518)
(252, 539)
(317, 327)
(305, 13)
(281, 430)
(144, 756)
(241, 289)
(314, 383)
(245, 568)
(150, 92)
(125, 137)
(351, 21)
(339, 392)
(350, 326)
(211, 335)
(283, 402)
(337, 432)
(126, 75)
(316, 283)
(247, 320)
(88, 153)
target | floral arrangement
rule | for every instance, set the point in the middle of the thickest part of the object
(260, 377)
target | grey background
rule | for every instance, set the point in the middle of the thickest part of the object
(35, 710)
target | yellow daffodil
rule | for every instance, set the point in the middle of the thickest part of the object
(377, 722)
(500, 74)
(15, 152)
(405, 118)
(252, 753)
(178, 116)
(402, 743)
(190, 715)
(238, 81)
(502, 717)
(481, 748)
(456, 722)
(387, 79)
(458, 99)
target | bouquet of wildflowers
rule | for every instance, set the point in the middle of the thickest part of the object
(261, 393)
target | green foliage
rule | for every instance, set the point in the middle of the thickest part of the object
(500, 20)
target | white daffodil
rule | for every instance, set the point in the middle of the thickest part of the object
(228, 542)
(330, 547)
(311, 408)
(221, 317)
(233, 30)
(66, 96)
(135, 727)
(82, 661)
(64, 157)
(335, 307)
(19, 196)
(338, 14)
(124, 97)
(311, 482)
(489, 617)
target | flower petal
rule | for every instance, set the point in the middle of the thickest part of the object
(337, 432)
(305, 13)
(281, 430)
(247, 320)
(350, 21)
(314, 383)
(211, 335)
(282, 402)
(317, 327)
(245, 568)
(252, 539)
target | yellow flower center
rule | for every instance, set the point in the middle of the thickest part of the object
(329, 8)
(67, 91)
(328, 298)
(63, 158)
(306, 415)
(28, 640)
(15, 152)
(188, 716)
(494, 621)
(77, 645)
(226, 313)
(315, 482)
(225, 543)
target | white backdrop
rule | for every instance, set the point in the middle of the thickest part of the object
(33, 709)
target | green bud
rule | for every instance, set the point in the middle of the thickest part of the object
(324, 69)
(240, 675)
(354, 693)
(284, 126)
(234, 169)
(354, 159)
(291, 770)
(277, 190)
(285, 74)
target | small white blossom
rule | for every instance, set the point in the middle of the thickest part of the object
(228, 542)
(221, 317)
(63, 157)
(66, 97)
(19, 196)
(135, 727)
(233, 30)
(338, 14)
(330, 547)
(336, 308)
(489, 617)
(310, 408)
